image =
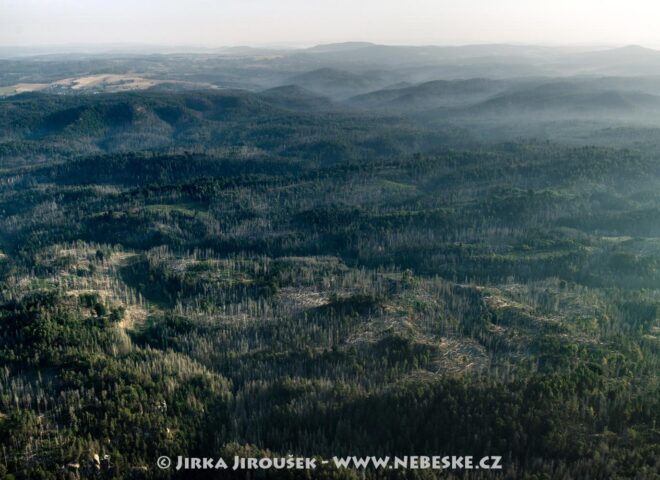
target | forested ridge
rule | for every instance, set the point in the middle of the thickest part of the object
(207, 273)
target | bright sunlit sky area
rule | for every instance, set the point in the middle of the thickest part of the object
(306, 22)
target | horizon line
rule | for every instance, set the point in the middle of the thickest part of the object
(307, 45)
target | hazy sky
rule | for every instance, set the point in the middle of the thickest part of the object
(260, 22)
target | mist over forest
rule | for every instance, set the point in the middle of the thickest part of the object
(350, 249)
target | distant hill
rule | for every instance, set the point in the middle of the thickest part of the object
(338, 83)
(627, 53)
(627, 61)
(373, 56)
(567, 98)
(429, 95)
(339, 47)
(246, 51)
(488, 60)
(293, 97)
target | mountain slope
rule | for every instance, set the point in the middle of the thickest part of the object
(337, 83)
(568, 98)
(428, 95)
(293, 97)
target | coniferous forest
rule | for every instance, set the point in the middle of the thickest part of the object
(241, 254)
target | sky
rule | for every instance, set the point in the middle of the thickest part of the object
(214, 23)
